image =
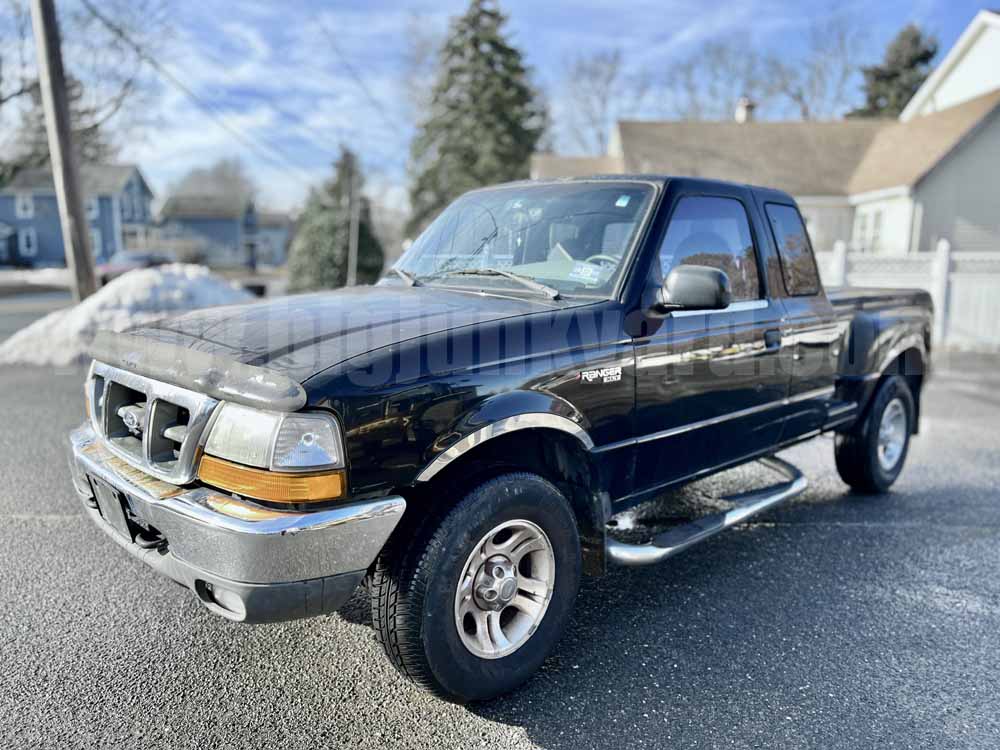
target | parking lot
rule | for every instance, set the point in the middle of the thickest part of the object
(834, 621)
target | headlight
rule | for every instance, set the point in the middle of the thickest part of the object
(296, 457)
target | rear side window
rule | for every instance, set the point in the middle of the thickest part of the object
(715, 232)
(798, 266)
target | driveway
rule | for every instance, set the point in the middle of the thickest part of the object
(835, 621)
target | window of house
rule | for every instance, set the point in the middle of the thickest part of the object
(798, 266)
(860, 230)
(715, 232)
(24, 205)
(126, 201)
(96, 246)
(875, 243)
(27, 242)
(93, 208)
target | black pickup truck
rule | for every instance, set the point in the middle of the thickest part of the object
(461, 436)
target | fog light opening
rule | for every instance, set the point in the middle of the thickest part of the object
(217, 597)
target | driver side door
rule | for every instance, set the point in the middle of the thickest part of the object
(707, 382)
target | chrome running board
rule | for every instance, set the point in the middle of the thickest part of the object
(686, 535)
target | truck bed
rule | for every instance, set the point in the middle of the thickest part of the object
(851, 298)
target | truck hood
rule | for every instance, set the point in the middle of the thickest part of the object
(302, 335)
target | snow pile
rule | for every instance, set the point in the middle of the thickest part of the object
(135, 298)
(46, 277)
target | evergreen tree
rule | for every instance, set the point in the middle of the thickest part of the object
(318, 256)
(484, 119)
(889, 86)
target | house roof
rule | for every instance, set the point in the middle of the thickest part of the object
(547, 166)
(802, 158)
(215, 206)
(843, 157)
(210, 206)
(902, 153)
(982, 21)
(95, 179)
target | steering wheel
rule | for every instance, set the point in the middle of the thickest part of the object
(603, 260)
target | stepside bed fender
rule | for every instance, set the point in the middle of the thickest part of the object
(875, 342)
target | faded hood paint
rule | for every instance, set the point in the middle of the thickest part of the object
(302, 335)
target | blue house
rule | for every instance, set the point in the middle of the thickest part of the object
(227, 230)
(117, 204)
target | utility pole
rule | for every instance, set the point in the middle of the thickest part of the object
(354, 227)
(57, 125)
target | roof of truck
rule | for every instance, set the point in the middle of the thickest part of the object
(701, 183)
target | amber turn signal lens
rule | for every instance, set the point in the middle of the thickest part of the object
(271, 485)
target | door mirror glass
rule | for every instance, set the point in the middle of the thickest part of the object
(690, 287)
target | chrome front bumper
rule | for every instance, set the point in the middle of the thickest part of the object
(278, 567)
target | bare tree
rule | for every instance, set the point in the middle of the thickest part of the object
(817, 86)
(227, 177)
(599, 90)
(106, 74)
(708, 84)
(420, 57)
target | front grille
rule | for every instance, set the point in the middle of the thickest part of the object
(154, 426)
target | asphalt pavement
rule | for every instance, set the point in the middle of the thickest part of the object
(836, 621)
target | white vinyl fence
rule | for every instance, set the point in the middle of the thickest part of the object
(965, 287)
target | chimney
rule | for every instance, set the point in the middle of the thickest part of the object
(744, 110)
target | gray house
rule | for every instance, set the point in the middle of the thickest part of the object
(117, 203)
(885, 187)
(225, 230)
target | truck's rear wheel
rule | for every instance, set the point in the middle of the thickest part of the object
(871, 456)
(469, 606)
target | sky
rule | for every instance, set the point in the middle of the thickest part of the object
(296, 79)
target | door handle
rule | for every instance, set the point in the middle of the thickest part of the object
(772, 339)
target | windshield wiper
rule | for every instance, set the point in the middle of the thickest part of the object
(406, 276)
(527, 281)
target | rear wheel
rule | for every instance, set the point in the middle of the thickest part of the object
(870, 457)
(469, 606)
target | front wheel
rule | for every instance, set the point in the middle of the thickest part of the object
(470, 605)
(871, 456)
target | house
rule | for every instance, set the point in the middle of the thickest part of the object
(891, 187)
(116, 201)
(226, 231)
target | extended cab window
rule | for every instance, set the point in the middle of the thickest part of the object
(715, 232)
(798, 266)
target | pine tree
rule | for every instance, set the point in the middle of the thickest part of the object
(907, 63)
(318, 256)
(484, 120)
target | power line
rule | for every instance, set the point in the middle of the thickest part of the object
(391, 123)
(266, 150)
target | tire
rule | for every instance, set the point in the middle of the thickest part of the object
(417, 611)
(865, 463)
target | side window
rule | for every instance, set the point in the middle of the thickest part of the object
(798, 266)
(714, 232)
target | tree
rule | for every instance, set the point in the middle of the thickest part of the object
(225, 177)
(817, 85)
(599, 91)
(91, 143)
(907, 63)
(318, 256)
(108, 88)
(484, 118)
(708, 84)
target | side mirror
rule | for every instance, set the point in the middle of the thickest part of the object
(694, 288)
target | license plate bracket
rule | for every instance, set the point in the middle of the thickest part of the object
(111, 503)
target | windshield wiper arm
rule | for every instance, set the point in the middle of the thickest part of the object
(406, 276)
(530, 283)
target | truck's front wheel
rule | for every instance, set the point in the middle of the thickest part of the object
(469, 606)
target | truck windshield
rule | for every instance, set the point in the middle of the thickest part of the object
(572, 237)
